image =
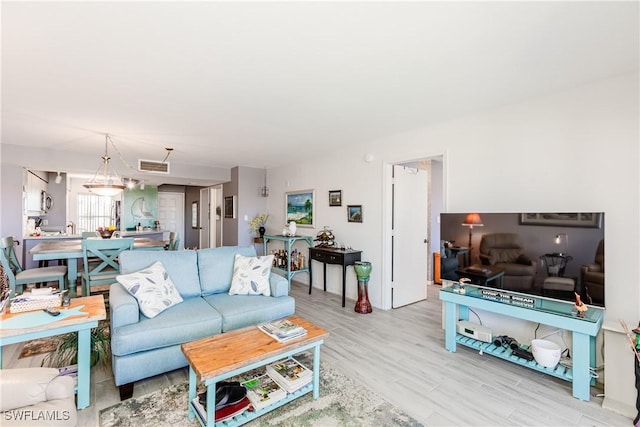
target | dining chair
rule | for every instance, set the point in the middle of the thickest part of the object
(104, 271)
(18, 277)
(174, 241)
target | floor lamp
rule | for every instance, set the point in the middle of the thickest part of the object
(472, 220)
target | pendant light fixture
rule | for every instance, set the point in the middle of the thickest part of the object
(105, 185)
(264, 191)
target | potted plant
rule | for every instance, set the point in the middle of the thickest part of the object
(67, 351)
(258, 223)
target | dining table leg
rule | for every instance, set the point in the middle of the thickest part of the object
(72, 276)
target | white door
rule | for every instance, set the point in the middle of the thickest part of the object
(203, 220)
(410, 247)
(171, 213)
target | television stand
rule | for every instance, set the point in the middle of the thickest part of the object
(556, 313)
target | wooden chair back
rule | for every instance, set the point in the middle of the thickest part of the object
(100, 259)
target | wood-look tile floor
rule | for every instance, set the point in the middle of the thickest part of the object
(400, 355)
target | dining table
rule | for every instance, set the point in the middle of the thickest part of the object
(72, 250)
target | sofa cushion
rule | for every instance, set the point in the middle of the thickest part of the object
(215, 267)
(239, 311)
(152, 287)
(190, 320)
(503, 255)
(251, 275)
(181, 266)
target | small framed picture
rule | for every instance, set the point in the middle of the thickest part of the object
(194, 215)
(230, 207)
(335, 198)
(354, 213)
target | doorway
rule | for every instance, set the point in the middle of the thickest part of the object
(171, 213)
(210, 226)
(413, 202)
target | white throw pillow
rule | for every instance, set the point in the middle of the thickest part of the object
(251, 275)
(153, 289)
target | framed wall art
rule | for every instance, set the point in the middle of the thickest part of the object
(335, 198)
(300, 207)
(354, 213)
(571, 219)
(230, 207)
(194, 215)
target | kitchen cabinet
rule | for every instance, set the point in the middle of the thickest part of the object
(34, 188)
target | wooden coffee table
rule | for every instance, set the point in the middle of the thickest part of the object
(220, 357)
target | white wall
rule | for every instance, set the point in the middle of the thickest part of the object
(571, 151)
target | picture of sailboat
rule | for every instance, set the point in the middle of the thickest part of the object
(139, 209)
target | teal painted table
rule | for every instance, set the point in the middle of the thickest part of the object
(72, 250)
(288, 244)
(240, 351)
(92, 310)
(556, 313)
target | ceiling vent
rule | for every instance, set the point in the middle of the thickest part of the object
(153, 166)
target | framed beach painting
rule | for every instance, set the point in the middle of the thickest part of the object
(354, 213)
(300, 207)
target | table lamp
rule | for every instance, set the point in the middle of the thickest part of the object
(472, 219)
(560, 238)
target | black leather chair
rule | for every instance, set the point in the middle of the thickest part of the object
(448, 262)
(592, 277)
(505, 250)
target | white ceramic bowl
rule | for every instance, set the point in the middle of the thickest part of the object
(546, 353)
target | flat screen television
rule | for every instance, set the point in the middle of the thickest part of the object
(548, 254)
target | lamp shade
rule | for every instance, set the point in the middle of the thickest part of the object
(473, 219)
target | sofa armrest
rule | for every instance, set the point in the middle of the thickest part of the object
(485, 259)
(279, 285)
(25, 386)
(592, 268)
(123, 307)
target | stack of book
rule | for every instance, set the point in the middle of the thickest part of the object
(263, 391)
(282, 330)
(290, 374)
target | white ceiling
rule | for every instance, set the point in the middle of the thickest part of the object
(264, 84)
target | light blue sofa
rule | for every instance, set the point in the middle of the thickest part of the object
(143, 347)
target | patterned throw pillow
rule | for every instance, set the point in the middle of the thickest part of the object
(153, 289)
(251, 275)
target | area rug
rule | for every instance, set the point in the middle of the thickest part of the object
(342, 402)
(38, 346)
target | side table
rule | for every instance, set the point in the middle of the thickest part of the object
(288, 243)
(326, 256)
(93, 310)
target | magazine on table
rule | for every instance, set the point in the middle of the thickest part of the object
(282, 330)
(290, 374)
(263, 391)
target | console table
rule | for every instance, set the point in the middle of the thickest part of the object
(556, 313)
(92, 310)
(343, 257)
(288, 243)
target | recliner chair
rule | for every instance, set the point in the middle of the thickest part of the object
(505, 250)
(592, 277)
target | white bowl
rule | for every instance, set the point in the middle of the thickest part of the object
(546, 353)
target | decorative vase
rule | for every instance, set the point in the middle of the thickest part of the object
(363, 271)
(261, 230)
(292, 228)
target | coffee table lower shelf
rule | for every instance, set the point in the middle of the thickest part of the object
(247, 416)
